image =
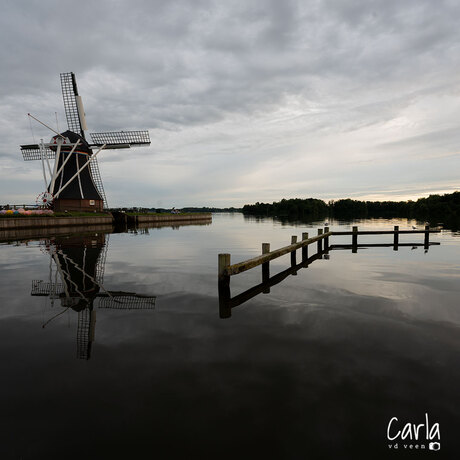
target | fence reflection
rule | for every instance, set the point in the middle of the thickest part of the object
(227, 302)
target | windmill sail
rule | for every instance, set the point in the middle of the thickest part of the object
(32, 152)
(120, 300)
(85, 332)
(120, 139)
(42, 288)
(72, 103)
(96, 175)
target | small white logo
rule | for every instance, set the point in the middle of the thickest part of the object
(414, 436)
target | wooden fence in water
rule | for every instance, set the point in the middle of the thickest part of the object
(226, 269)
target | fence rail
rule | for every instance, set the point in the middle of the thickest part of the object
(229, 270)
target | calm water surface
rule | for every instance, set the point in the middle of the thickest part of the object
(113, 347)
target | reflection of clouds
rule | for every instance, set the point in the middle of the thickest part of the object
(412, 278)
(349, 277)
(18, 266)
(314, 369)
(184, 371)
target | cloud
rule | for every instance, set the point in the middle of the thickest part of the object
(242, 88)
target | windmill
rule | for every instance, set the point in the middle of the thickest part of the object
(76, 273)
(74, 182)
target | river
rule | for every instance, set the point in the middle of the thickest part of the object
(114, 346)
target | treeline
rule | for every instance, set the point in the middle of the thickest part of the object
(295, 208)
(434, 207)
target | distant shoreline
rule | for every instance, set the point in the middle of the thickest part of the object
(433, 207)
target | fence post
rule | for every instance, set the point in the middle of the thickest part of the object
(427, 236)
(293, 253)
(224, 262)
(304, 248)
(225, 310)
(320, 242)
(396, 238)
(354, 240)
(326, 239)
(266, 267)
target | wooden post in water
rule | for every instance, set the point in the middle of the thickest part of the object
(225, 310)
(293, 253)
(305, 248)
(320, 242)
(427, 237)
(354, 240)
(396, 238)
(326, 239)
(266, 267)
(224, 262)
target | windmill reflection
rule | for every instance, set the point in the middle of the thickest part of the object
(76, 274)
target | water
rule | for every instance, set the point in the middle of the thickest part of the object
(314, 369)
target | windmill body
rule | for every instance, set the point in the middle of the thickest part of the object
(82, 193)
(74, 182)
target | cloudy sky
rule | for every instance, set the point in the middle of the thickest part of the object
(245, 101)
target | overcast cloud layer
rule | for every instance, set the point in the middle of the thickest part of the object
(245, 100)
